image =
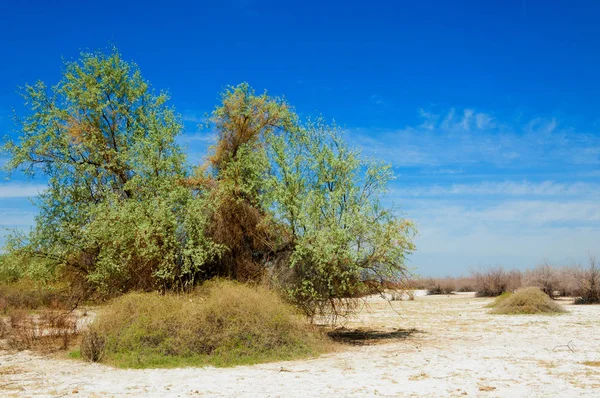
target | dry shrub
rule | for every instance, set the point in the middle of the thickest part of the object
(26, 294)
(440, 286)
(588, 283)
(464, 284)
(529, 300)
(92, 345)
(405, 289)
(567, 286)
(420, 283)
(222, 323)
(46, 330)
(545, 277)
(445, 285)
(493, 282)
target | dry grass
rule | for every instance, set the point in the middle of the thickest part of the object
(530, 300)
(592, 363)
(26, 294)
(223, 323)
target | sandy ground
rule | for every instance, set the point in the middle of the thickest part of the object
(433, 346)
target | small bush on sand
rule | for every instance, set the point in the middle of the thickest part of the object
(530, 300)
(223, 323)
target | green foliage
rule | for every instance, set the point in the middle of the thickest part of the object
(115, 211)
(499, 300)
(75, 354)
(223, 323)
(160, 240)
(328, 198)
(530, 300)
(307, 207)
(10, 271)
(235, 175)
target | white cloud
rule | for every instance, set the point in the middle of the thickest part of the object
(20, 190)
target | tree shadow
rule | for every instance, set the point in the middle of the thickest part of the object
(370, 336)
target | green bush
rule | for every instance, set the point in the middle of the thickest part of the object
(499, 300)
(222, 323)
(530, 300)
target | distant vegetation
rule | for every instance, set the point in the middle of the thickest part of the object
(573, 281)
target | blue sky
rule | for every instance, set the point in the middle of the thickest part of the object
(488, 111)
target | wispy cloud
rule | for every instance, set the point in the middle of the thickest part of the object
(455, 236)
(14, 217)
(502, 189)
(191, 116)
(20, 190)
(471, 137)
(201, 137)
(484, 190)
(377, 99)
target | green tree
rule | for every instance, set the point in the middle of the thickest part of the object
(236, 172)
(319, 229)
(115, 211)
(342, 241)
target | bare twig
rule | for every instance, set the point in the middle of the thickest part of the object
(569, 345)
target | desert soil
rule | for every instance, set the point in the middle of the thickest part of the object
(433, 346)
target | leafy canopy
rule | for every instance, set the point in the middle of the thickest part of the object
(323, 200)
(114, 211)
